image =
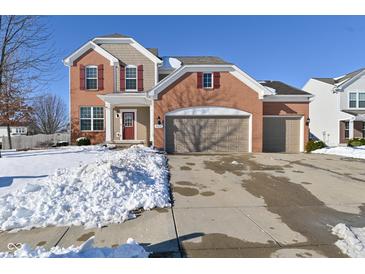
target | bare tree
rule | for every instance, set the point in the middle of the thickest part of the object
(26, 57)
(49, 114)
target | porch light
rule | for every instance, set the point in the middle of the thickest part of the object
(308, 121)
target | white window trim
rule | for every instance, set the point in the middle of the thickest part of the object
(357, 99)
(125, 76)
(212, 75)
(92, 119)
(121, 122)
(97, 77)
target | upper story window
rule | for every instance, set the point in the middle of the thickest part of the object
(356, 99)
(92, 118)
(131, 78)
(361, 99)
(207, 80)
(91, 77)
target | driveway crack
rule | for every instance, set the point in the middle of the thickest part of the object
(261, 228)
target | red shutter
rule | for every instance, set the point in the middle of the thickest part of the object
(216, 79)
(100, 77)
(200, 80)
(82, 77)
(140, 78)
(122, 78)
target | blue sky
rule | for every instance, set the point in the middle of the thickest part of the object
(287, 48)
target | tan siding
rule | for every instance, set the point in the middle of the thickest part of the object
(130, 56)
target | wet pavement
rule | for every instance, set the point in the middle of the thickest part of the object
(252, 205)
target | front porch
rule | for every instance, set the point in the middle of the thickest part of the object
(128, 119)
(352, 128)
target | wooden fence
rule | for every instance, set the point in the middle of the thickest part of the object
(35, 141)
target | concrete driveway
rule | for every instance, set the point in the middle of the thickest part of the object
(255, 205)
(265, 205)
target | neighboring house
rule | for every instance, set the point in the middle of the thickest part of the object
(20, 129)
(122, 92)
(338, 112)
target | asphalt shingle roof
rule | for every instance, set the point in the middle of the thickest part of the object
(114, 35)
(201, 60)
(282, 88)
(334, 81)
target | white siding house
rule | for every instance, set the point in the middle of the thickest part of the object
(333, 119)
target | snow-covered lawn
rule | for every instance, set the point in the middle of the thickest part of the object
(129, 250)
(20, 167)
(94, 186)
(353, 152)
(352, 240)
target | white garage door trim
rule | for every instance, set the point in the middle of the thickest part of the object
(211, 111)
(301, 137)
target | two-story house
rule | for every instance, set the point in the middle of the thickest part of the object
(338, 112)
(122, 92)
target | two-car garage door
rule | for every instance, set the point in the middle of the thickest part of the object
(207, 134)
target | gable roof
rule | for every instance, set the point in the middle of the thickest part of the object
(94, 44)
(341, 79)
(234, 70)
(282, 88)
(201, 60)
(128, 40)
(87, 46)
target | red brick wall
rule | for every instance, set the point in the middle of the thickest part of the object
(86, 97)
(232, 93)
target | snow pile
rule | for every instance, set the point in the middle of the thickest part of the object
(95, 194)
(352, 240)
(87, 250)
(353, 152)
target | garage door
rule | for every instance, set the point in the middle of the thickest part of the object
(281, 134)
(206, 134)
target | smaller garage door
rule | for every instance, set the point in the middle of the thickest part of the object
(281, 134)
(207, 134)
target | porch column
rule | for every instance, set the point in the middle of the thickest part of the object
(108, 122)
(351, 129)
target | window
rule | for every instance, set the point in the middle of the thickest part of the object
(361, 99)
(357, 100)
(92, 118)
(352, 99)
(19, 130)
(131, 78)
(91, 77)
(207, 80)
(347, 130)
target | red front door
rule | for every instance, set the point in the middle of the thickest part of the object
(128, 126)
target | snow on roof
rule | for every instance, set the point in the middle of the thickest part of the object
(170, 63)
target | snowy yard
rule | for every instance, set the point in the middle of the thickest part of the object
(353, 152)
(91, 186)
(87, 250)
